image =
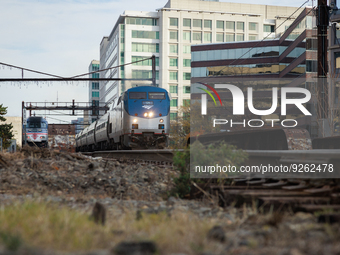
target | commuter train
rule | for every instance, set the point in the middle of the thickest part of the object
(37, 132)
(140, 119)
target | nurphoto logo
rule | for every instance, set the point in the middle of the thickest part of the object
(238, 101)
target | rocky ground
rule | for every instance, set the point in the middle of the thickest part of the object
(48, 172)
(142, 219)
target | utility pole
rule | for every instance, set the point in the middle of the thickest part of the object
(323, 20)
(153, 70)
(24, 123)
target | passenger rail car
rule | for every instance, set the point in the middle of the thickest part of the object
(37, 132)
(139, 119)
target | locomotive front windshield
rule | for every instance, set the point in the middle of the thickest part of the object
(137, 95)
(142, 95)
(156, 95)
(34, 124)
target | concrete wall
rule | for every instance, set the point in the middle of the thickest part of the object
(17, 127)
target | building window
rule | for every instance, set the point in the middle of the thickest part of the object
(95, 85)
(143, 74)
(197, 23)
(173, 35)
(253, 26)
(173, 76)
(173, 89)
(207, 37)
(145, 34)
(207, 23)
(141, 21)
(186, 49)
(145, 47)
(230, 25)
(311, 44)
(95, 67)
(219, 24)
(173, 103)
(252, 37)
(147, 62)
(186, 89)
(173, 62)
(268, 28)
(230, 38)
(240, 37)
(186, 76)
(312, 65)
(95, 93)
(186, 36)
(186, 22)
(173, 115)
(219, 37)
(240, 25)
(173, 48)
(197, 36)
(186, 62)
(95, 75)
(186, 102)
(336, 62)
(174, 22)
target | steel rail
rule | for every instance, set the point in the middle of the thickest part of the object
(255, 157)
(155, 155)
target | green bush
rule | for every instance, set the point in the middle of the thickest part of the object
(181, 162)
(11, 242)
(222, 154)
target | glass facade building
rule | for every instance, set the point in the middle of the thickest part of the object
(91, 116)
(169, 32)
(290, 60)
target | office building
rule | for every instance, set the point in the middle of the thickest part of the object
(91, 116)
(169, 32)
(290, 60)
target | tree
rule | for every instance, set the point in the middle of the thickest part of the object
(6, 130)
(189, 122)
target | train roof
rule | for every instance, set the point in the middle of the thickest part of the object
(146, 88)
(36, 119)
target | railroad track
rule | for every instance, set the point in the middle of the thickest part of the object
(304, 194)
(149, 156)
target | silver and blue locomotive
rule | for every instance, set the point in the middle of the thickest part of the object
(37, 132)
(139, 119)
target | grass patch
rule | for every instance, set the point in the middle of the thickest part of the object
(48, 226)
(54, 227)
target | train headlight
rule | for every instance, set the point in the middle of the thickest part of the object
(161, 120)
(146, 114)
(150, 114)
(134, 120)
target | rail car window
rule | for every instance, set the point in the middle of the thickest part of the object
(156, 95)
(34, 124)
(137, 95)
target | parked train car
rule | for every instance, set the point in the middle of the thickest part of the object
(37, 132)
(139, 119)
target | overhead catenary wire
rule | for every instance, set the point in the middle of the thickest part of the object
(60, 78)
(29, 70)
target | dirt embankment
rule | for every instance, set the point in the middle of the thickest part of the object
(49, 172)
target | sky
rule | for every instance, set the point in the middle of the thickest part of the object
(62, 37)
